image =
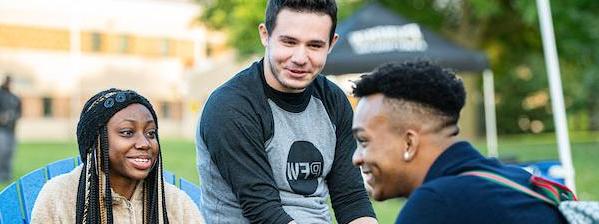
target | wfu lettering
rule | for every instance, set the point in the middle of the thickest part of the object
(303, 170)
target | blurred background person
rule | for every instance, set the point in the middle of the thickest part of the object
(10, 112)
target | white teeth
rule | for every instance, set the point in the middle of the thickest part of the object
(139, 160)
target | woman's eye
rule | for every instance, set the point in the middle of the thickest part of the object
(151, 134)
(126, 132)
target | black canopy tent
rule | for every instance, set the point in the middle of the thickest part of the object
(375, 35)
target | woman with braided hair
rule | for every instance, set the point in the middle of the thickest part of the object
(120, 180)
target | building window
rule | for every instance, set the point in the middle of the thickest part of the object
(165, 47)
(123, 43)
(47, 107)
(96, 41)
(166, 110)
(209, 50)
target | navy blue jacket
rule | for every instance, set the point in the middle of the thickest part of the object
(447, 197)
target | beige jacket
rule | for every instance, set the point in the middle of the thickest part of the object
(57, 201)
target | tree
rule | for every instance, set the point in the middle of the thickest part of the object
(506, 30)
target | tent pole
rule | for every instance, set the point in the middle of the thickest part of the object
(555, 84)
(490, 120)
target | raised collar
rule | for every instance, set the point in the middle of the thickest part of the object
(118, 199)
(458, 158)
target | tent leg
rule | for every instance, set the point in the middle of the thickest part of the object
(555, 87)
(490, 120)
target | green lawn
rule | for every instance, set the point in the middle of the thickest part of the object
(179, 157)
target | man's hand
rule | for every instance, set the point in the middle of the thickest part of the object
(364, 220)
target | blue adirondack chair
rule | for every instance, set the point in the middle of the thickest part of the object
(192, 190)
(10, 205)
(18, 198)
(61, 167)
(30, 186)
(168, 177)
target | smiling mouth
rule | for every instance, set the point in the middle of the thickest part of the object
(367, 175)
(141, 163)
(365, 171)
(297, 72)
(139, 160)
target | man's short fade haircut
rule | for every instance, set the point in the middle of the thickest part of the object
(328, 7)
(421, 82)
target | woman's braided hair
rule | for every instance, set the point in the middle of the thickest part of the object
(94, 197)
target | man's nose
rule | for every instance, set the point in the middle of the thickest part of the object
(300, 56)
(358, 157)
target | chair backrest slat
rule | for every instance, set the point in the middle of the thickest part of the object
(10, 206)
(31, 185)
(192, 190)
(60, 167)
(168, 177)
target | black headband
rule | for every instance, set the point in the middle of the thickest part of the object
(99, 109)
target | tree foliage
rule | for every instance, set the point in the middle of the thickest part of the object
(240, 19)
(506, 30)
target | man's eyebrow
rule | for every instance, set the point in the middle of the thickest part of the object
(287, 37)
(317, 42)
(354, 131)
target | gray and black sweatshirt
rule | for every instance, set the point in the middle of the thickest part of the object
(270, 157)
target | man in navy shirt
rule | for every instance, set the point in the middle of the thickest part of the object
(406, 128)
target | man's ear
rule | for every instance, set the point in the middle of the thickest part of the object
(264, 35)
(412, 141)
(333, 42)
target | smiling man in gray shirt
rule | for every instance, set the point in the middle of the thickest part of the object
(274, 142)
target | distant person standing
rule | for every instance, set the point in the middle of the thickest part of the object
(10, 112)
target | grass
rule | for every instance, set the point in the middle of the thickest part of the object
(179, 157)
